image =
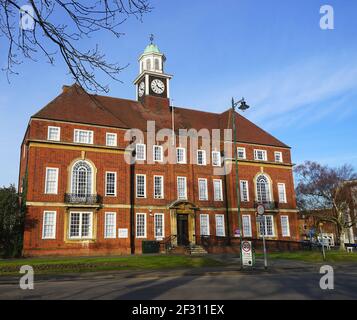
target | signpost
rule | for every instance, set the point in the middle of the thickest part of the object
(322, 242)
(247, 253)
(260, 219)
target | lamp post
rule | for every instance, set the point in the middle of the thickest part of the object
(322, 242)
(242, 106)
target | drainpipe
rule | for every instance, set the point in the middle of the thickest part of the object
(132, 204)
(228, 231)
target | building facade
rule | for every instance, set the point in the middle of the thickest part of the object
(93, 187)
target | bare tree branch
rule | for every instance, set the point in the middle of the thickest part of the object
(51, 38)
(328, 194)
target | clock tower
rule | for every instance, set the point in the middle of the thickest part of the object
(152, 80)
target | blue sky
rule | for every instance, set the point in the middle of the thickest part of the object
(300, 81)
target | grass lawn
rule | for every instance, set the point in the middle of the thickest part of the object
(313, 256)
(87, 264)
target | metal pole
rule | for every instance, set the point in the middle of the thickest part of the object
(322, 245)
(237, 182)
(265, 250)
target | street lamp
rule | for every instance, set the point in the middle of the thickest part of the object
(242, 106)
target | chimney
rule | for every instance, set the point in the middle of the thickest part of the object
(65, 88)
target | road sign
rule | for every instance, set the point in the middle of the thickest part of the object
(237, 233)
(247, 253)
(260, 209)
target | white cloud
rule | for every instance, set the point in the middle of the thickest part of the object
(302, 93)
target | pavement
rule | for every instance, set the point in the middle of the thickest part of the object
(284, 279)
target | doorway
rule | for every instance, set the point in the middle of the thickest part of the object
(182, 230)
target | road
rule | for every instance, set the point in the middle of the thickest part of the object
(189, 284)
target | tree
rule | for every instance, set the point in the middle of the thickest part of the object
(11, 222)
(328, 194)
(54, 27)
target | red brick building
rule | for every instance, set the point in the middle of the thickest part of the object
(84, 197)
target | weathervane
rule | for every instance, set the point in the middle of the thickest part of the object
(151, 38)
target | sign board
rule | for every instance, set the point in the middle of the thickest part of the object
(247, 253)
(236, 232)
(260, 209)
(122, 233)
(260, 218)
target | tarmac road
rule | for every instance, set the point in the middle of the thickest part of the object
(206, 284)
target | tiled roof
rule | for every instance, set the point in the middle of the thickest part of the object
(76, 105)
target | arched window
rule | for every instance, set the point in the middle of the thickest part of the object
(263, 189)
(157, 64)
(148, 64)
(82, 174)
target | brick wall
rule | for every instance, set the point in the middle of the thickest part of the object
(37, 154)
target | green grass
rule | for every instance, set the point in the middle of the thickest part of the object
(87, 264)
(313, 256)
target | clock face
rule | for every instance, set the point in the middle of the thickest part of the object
(141, 89)
(157, 86)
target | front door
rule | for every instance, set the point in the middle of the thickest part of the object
(182, 230)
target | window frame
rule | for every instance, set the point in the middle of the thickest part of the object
(48, 133)
(46, 179)
(264, 152)
(161, 153)
(162, 187)
(244, 152)
(184, 161)
(136, 185)
(136, 225)
(223, 225)
(136, 151)
(250, 233)
(207, 226)
(268, 192)
(114, 236)
(80, 237)
(287, 234)
(106, 184)
(265, 227)
(88, 131)
(115, 139)
(282, 184)
(177, 186)
(90, 181)
(200, 198)
(241, 182)
(220, 189)
(281, 156)
(163, 226)
(53, 235)
(204, 158)
(219, 159)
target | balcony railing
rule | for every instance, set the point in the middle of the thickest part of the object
(81, 198)
(268, 205)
